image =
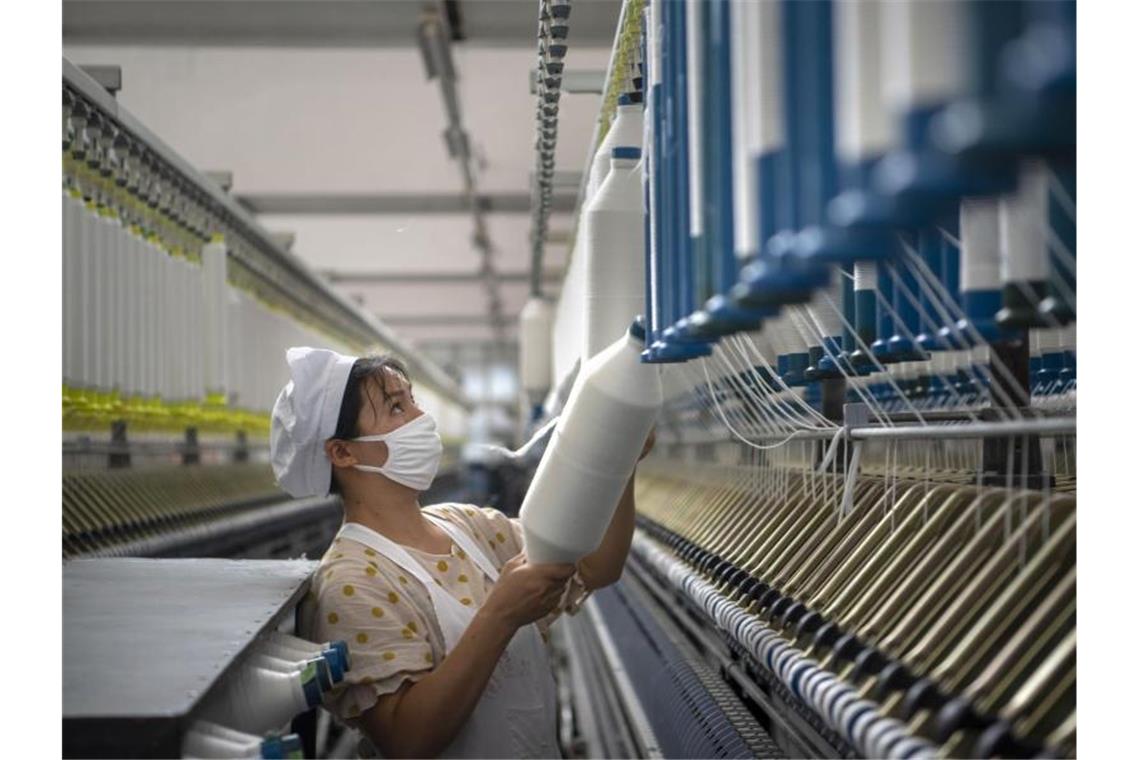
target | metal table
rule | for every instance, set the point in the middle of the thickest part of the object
(144, 640)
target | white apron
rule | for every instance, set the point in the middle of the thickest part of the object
(516, 715)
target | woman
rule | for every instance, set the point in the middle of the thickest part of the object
(445, 619)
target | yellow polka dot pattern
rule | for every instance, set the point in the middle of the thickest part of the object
(390, 637)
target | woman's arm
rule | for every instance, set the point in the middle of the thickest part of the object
(422, 718)
(604, 566)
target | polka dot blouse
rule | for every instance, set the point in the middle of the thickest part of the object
(387, 617)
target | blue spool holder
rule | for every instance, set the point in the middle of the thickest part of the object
(819, 240)
(928, 174)
(780, 276)
(719, 315)
(1026, 93)
(678, 341)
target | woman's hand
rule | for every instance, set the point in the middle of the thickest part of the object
(525, 593)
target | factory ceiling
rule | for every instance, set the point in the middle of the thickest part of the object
(324, 114)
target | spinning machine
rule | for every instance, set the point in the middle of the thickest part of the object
(855, 254)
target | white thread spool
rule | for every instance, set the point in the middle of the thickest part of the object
(169, 315)
(923, 45)
(769, 45)
(303, 648)
(197, 333)
(1024, 225)
(1068, 340)
(591, 454)
(100, 293)
(214, 314)
(131, 295)
(112, 293)
(234, 337)
(73, 316)
(536, 359)
(86, 283)
(980, 230)
(156, 257)
(862, 126)
(626, 132)
(206, 739)
(615, 255)
(746, 131)
(259, 700)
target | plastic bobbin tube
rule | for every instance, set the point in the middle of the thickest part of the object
(1024, 228)
(980, 268)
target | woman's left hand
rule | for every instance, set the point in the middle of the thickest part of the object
(652, 439)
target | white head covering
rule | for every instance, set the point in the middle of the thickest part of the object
(304, 417)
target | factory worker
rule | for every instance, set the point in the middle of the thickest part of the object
(445, 619)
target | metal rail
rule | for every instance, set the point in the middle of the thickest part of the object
(1048, 427)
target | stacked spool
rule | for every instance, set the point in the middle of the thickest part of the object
(282, 677)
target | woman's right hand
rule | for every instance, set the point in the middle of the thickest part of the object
(525, 593)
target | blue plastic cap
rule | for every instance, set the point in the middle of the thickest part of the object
(625, 100)
(627, 152)
(342, 647)
(291, 743)
(272, 749)
(637, 329)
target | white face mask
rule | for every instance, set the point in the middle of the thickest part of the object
(414, 450)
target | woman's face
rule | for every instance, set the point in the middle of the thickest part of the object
(389, 404)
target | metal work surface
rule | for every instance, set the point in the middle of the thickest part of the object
(145, 639)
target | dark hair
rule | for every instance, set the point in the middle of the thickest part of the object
(356, 393)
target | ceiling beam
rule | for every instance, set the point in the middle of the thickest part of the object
(440, 320)
(314, 23)
(429, 278)
(394, 203)
(591, 81)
